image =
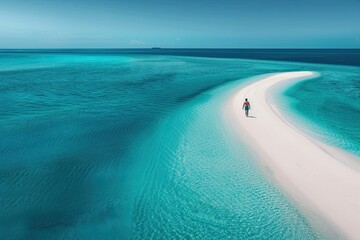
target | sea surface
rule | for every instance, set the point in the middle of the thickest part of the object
(328, 107)
(114, 145)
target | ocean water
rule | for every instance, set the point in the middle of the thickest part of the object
(116, 146)
(329, 56)
(326, 107)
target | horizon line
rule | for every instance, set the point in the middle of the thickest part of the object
(175, 48)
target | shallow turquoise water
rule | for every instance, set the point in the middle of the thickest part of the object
(133, 147)
(327, 107)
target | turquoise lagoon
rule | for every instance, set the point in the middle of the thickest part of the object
(328, 107)
(114, 146)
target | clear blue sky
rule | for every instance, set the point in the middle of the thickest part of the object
(181, 23)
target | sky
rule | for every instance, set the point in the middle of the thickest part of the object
(180, 24)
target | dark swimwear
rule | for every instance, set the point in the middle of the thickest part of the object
(247, 106)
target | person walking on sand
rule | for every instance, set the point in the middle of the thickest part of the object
(246, 106)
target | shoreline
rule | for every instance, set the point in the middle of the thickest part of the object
(304, 169)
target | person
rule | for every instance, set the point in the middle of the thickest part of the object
(246, 106)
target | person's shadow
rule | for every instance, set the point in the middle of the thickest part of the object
(251, 117)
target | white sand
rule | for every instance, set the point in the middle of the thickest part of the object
(306, 171)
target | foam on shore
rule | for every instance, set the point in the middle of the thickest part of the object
(304, 169)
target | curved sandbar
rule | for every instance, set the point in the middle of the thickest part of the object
(305, 170)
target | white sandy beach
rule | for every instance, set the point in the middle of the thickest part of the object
(305, 170)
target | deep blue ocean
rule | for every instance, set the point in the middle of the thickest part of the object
(110, 144)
